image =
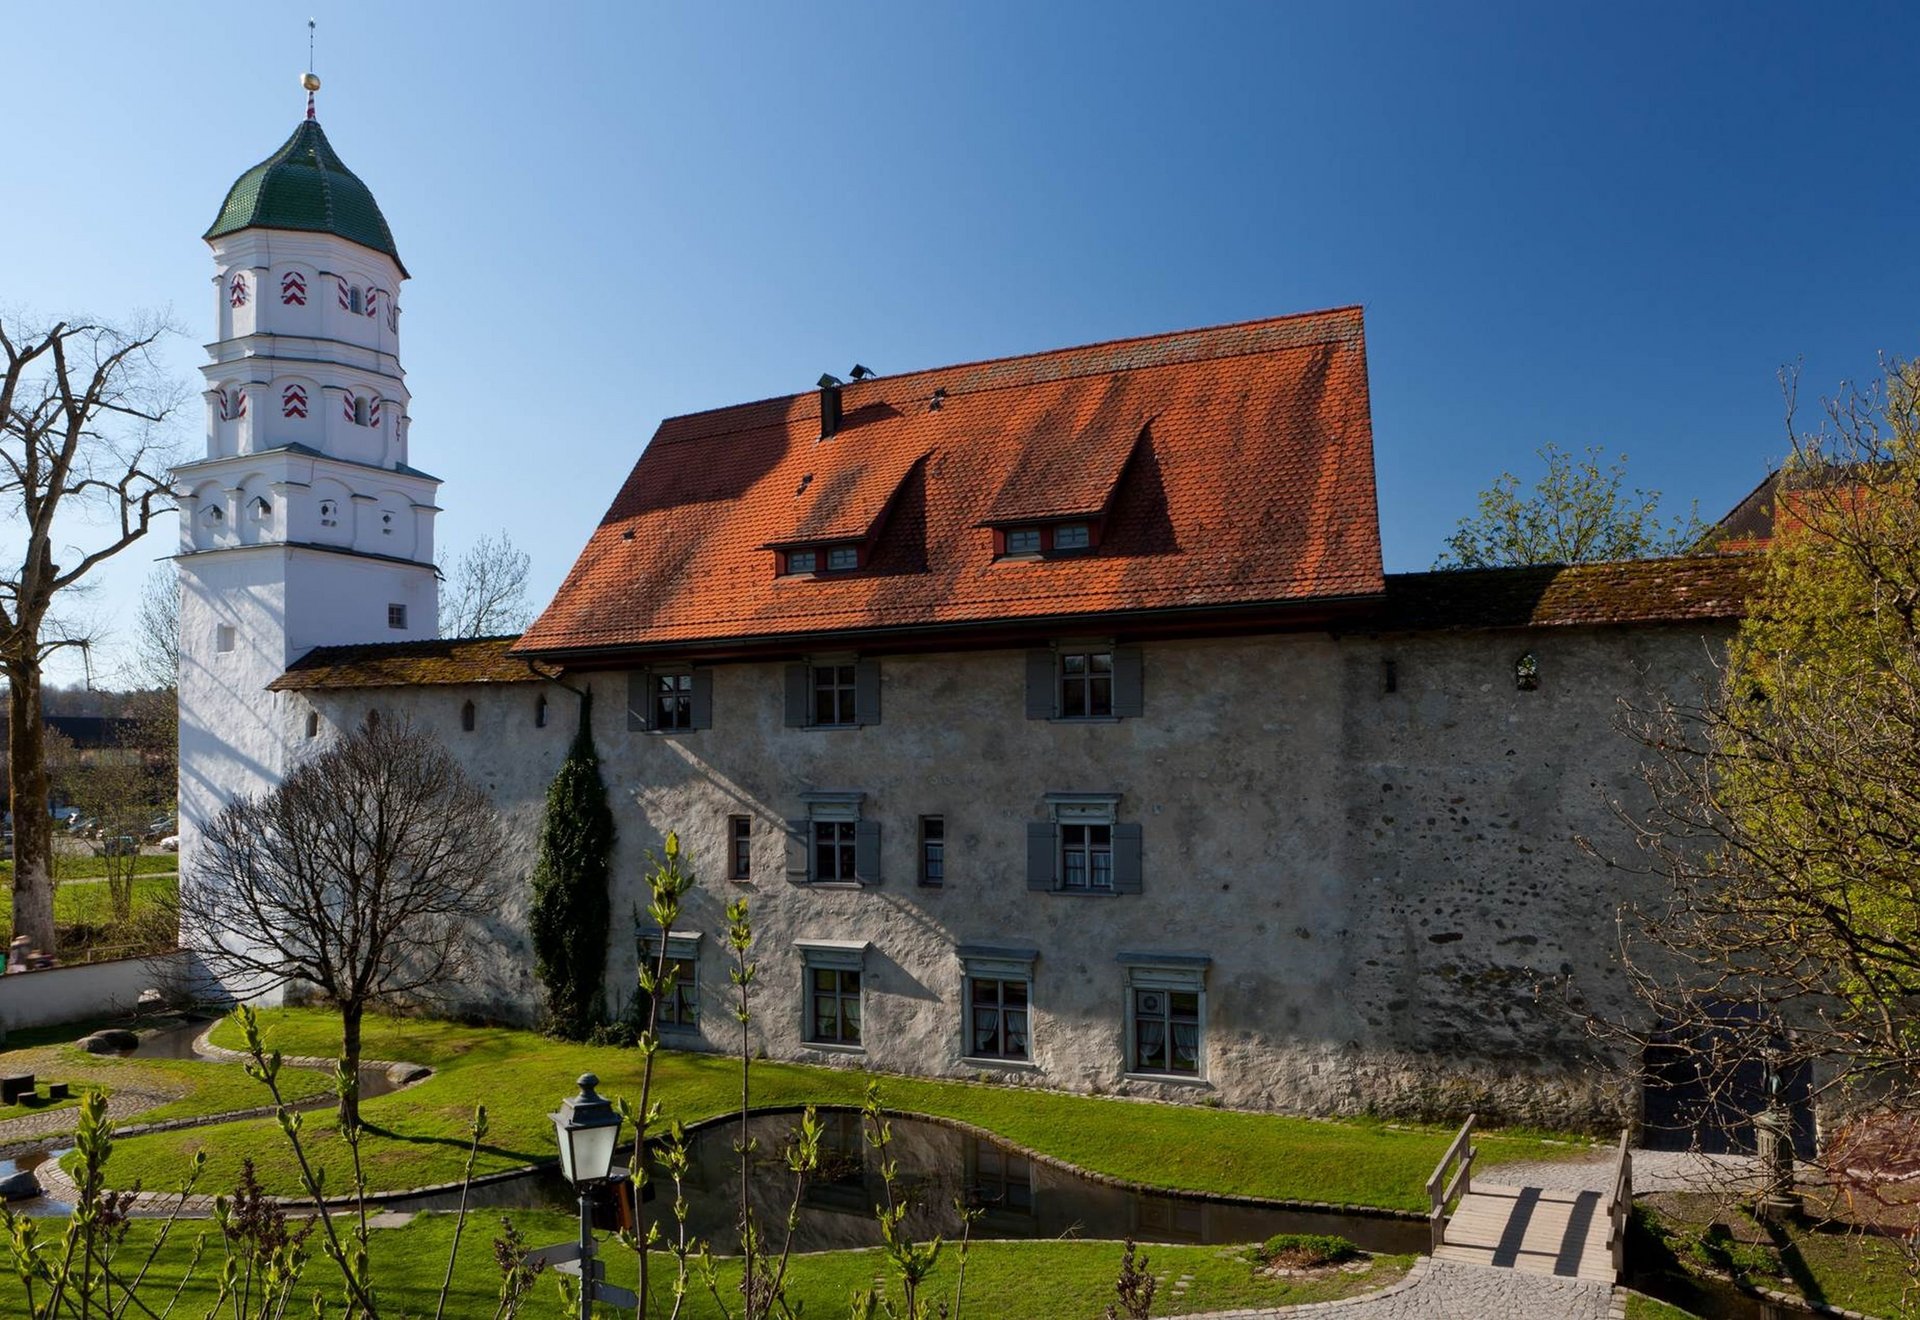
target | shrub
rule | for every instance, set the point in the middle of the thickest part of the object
(1305, 1251)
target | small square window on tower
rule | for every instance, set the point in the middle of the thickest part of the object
(396, 616)
(223, 637)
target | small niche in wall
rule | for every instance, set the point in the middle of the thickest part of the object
(1389, 676)
(313, 724)
(260, 508)
(467, 716)
(540, 713)
(1526, 672)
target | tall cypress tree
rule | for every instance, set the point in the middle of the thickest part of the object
(572, 910)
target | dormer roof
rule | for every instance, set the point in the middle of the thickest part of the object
(306, 186)
(1233, 467)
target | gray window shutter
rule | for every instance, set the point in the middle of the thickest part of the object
(1043, 854)
(639, 700)
(1042, 694)
(1127, 872)
(798, 690)
(866, 852)
(702, 699)
(866, 692)
(1128, 700)
(799, 851)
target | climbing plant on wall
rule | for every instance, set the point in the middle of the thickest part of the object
(571, 910)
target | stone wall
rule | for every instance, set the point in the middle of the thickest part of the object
(1381, 880)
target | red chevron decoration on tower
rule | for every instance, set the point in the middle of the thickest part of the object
(293, 289)
(346, 303)
(373, 296)
(237, 292)
(293, 402)
(346, 405)
(240, 403)
(373, 412)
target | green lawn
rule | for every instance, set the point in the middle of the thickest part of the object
(196, 1087)
(1053, 1280)
(1646, 1308)
(39, 1104)
(87, 866)
(418, 1136)
(1694, 1235)
(87, 902)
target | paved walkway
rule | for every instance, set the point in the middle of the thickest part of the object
(1441, 1290)
(1653, 1171)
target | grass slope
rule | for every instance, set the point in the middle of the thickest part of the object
(1006, 1280)
(418, 1137)
(87, 902)
(195, 1088)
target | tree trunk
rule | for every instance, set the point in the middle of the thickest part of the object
(350, 1056)
(32, 826)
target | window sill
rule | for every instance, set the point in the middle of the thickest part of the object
(828, 1047)
(665, 733)
(1011, 1065)
(1168, 1079)
(831, 884)
(1084, 719)
(1085, 893)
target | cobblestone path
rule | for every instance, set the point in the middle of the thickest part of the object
(1442, 1290)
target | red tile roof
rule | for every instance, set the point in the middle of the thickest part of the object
(1235, 465)
(447, 660)
(1679, 590)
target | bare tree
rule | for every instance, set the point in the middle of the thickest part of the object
(362, 874)
(1787, 820)
(82, 407)
(153, 672)
(485, 594)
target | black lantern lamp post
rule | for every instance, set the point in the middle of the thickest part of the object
(589, 1129)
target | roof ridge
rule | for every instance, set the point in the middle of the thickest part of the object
(1040, 355)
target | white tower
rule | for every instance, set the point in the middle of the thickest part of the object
(304, 525)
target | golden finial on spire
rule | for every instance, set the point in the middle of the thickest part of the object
(309, 79)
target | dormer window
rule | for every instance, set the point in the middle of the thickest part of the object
(1037, 540)
(829, 559)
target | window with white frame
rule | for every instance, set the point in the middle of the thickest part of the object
(999, 1003)
(679, 998)
(1166, 1013)
(833, 696)
(832, 692)
(833, 971)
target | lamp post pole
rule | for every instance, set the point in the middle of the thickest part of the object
(588, 1129)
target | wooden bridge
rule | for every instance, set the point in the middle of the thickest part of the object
(1573, 1234)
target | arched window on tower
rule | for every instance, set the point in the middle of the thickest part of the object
(260, 508)
(359, 412)
(357, 301)
(467, 718)
(313, 724)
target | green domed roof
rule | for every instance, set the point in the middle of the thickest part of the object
(304, 185)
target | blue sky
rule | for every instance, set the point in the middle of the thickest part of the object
(1582, 224)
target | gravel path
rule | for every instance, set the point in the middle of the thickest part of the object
(1653, 1171)
(1443, 1290)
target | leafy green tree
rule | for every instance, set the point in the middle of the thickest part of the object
(572, 910)
(1577, 513)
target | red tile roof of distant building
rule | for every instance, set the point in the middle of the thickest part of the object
(1234, 467)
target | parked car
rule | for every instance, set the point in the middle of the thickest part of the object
(159, 828)
(118, 845)
(170, 844)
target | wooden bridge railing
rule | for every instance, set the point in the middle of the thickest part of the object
(1441, 1191)
(1620, 1204)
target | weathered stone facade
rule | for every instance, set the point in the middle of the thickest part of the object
(1379, 880)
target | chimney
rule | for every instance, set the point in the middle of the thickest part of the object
(829, 405)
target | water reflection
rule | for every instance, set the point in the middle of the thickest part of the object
(940, 1168)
